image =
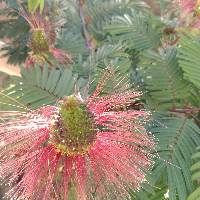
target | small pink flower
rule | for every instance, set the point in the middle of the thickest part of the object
(29, 62)
(43, 39)
(38, 21)
(92, 149)
(61, 55)
(190, 13)
(187, 6)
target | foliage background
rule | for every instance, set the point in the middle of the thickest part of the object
(141, 39)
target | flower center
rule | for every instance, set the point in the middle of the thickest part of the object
(39, 43)
(73, 130)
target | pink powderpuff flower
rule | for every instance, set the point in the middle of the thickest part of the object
(43, 38)
(190, 13)
(187, 6)
(96, 148)
(61, 55)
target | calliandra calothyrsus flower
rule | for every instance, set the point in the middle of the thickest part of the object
(95, 148)
(42, 41)
(189, 13)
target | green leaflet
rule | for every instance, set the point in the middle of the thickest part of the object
(34, 4)
(157, 192)
(189, 58)
(177, 141)
(136, 30)
(40, 86)
(195, 169)
(195, 195)
(163, 79)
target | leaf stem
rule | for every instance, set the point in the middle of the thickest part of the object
(88, 38)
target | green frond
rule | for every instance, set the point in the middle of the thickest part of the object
(34, 4)
(38, 87)
(178, 139)
(156, 192)
(101, 12)
(163, 79)
(105, 56)
(189, 59)
(137, 30)
(195, 169)
(12, 3)
(16, 50)
(195, 195)
(70, 37)
(73, 43)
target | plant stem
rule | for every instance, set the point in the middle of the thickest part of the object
(88, 38)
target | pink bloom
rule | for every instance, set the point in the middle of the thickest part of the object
(29, 62)
(61, 55)
(40, 21)
(187, 6)
(190, 13)
(97, 148)
(43, 39)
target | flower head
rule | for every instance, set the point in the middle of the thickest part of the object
(92, 149)
(190, 13)
(43, 37)
(187, 5)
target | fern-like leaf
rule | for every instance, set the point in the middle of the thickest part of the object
(178, 139)
(189, 59)
(136, 30)
(195, 195)
(38, 87)
(163, 79)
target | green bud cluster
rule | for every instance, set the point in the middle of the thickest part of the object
(39, 43)
(74, 129)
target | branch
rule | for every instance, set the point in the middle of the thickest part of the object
(89, 40)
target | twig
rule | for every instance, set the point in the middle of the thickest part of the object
(88, 38)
